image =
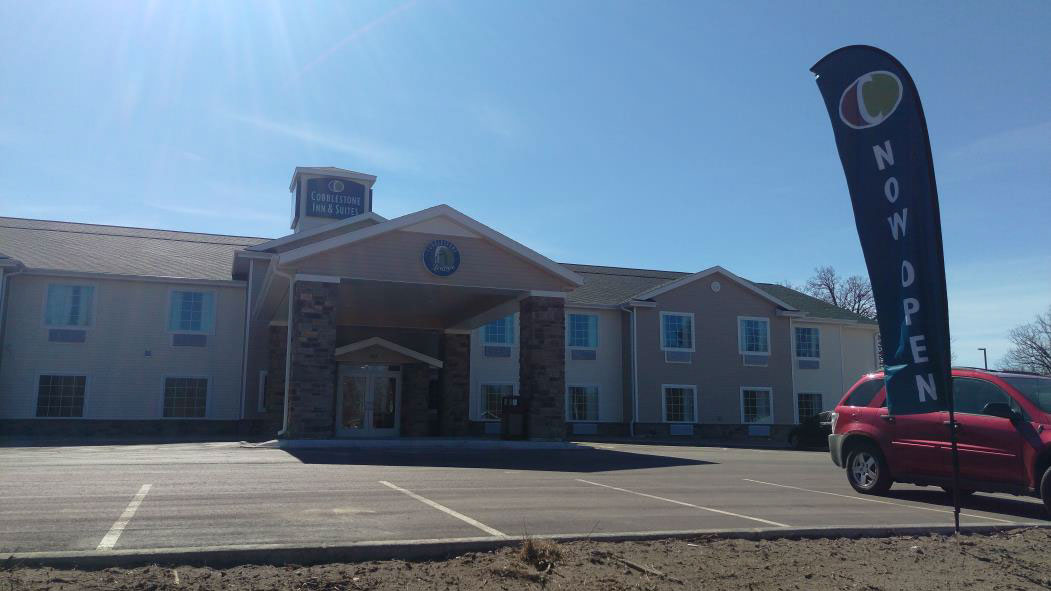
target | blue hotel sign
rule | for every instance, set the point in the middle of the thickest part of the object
(334, 198)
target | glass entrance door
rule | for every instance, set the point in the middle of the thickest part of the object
(369, 401)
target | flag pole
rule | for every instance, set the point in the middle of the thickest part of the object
(955, 462)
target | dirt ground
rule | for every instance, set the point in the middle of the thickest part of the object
(1019, 559)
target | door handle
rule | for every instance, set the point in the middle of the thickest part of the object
(947, 423)
(888, 418)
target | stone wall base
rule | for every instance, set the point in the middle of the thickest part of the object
(778, 433)
(87, 429)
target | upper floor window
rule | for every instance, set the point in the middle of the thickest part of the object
(676, 331)
(808, 343)
(500, 332)
(191, 311)
(754, 335)
(69, 305)
(583, 331)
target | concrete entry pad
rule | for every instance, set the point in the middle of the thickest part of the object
(218, 495)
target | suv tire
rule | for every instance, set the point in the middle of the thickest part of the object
(1045, 490)
(867, 470)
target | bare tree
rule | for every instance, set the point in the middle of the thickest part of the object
(852, 293)
(1031, 346)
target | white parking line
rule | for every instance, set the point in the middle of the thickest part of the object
(684, 504)
(444, 509)
(111, 537)
(880, 501)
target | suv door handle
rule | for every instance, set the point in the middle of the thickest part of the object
(888, 418)
(947, 423)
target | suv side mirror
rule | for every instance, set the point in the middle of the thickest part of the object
(1002, 410)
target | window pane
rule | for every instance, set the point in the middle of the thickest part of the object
(499, 332)
(808, 342)
(755, 336)
(492, 400)
(583, 330)
(756, 405)
(809, 404)
(678, 405)
(60, 396)
(583, 403)
(192, 311)
(69, 305)
(678, 331)
(185, 397)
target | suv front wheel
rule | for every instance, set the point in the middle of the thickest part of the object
(1045, 490)
(867, 470)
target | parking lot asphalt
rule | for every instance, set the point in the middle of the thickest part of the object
(221, 494)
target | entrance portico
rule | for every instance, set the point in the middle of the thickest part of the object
(376, 317)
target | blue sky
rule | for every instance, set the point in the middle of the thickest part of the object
(671, 135)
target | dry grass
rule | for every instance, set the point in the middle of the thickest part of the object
(540, 554)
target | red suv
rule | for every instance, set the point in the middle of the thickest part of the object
(1003, 436)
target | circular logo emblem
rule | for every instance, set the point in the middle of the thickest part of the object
(335, 186)
(870, 99)
(441, 257)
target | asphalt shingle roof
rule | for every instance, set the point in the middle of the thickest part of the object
(67, 246)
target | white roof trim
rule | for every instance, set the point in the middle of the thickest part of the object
(367, 216)
(705, 273)
(380, 342)
(486, 232)
(329, 171)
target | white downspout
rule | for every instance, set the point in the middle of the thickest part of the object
(288, 345)
(634, 370)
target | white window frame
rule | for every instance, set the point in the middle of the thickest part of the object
(795, 343)
(514, 332)
(64, 374)
(195, 289)
(693, 332)
(795, 402)
(94, 306)
(481, 398)
(740, 336)
(598, 403)
(770, 395)
(261, 387)
(664, 402)
(208, 397)
(569, 332)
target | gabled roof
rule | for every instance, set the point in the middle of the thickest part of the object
(318, 233)
(390, 346)
(612, 286)
(677, 283)
(418, 217)
(118, 250)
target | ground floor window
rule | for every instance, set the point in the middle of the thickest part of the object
(757, 405)
(583, 403)
(809, 404)
(60, 396)
(185, 397)
(492, 400)
(680, 404)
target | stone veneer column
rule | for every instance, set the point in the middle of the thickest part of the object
(274, 397)
(456, 385)
(415, 387)
(312, 383)
(542, 365)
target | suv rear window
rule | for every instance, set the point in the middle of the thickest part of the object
(863, 394)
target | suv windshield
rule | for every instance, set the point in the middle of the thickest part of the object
(1037, 390)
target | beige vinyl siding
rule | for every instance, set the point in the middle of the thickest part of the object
(398, 256)
(491, 370)
(605, 372)
(847, 352)
(130, 318)
(716, 369)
